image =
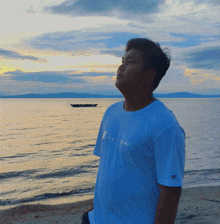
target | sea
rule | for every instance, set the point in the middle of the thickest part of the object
(46, 147)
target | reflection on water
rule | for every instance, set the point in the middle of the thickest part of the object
(46, 146)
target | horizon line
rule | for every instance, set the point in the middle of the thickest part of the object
(89, 95)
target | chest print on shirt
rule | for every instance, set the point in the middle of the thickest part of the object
(122, 142)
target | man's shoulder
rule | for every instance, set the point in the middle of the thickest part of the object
(161, 119)
(163, 116)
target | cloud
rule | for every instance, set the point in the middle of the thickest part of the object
(46, 82)
(68, 41)
(93, 74)
(85, 7)
(57, 77)
(213, 2)
(16, 56)
(204, 58)
(203, 78)
(188, 16)
(189, 40)
(116, 53)
(46, 77)
(82, 40)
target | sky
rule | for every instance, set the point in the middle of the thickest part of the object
(54, 46)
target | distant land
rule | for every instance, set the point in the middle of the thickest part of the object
(88, 95)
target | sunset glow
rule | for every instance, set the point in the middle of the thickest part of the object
(79, 48)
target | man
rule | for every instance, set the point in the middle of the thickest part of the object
(140, 144)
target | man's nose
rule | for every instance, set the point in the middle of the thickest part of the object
(121, 67)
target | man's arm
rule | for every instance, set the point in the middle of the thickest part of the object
(167, 205)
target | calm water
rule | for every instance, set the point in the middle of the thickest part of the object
(46, 147)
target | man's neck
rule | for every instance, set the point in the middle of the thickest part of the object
(138, 101)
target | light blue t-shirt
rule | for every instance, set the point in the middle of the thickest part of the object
(137, 151)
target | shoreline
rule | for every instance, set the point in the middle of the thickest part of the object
(197, 205)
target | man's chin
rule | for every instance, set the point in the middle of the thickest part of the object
(122, 87)
(118, 84)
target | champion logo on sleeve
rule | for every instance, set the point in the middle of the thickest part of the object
(106, 136)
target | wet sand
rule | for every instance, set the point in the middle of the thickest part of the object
(198, 205)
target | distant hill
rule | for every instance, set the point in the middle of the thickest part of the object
(63, 95)
(88, 95)
(185, 95)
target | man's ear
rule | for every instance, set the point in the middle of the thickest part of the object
(152, 73)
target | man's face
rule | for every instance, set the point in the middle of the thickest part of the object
(131, 74)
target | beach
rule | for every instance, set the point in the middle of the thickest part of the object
(198, 205)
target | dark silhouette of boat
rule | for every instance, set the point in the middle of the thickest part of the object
(83, 105)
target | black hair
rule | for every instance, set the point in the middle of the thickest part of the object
(153, 57)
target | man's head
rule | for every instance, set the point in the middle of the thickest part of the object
(147, 59)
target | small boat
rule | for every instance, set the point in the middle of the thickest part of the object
(83, 105)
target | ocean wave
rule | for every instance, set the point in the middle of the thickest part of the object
(42, 174)
(84, 147)
(16, 156)
(201, 177)
(45, 197)
(204, 171)
(15, 174)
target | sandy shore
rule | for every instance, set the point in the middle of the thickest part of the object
(199, 205)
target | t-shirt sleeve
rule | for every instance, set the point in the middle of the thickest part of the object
(169, 152)
(98, 145)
